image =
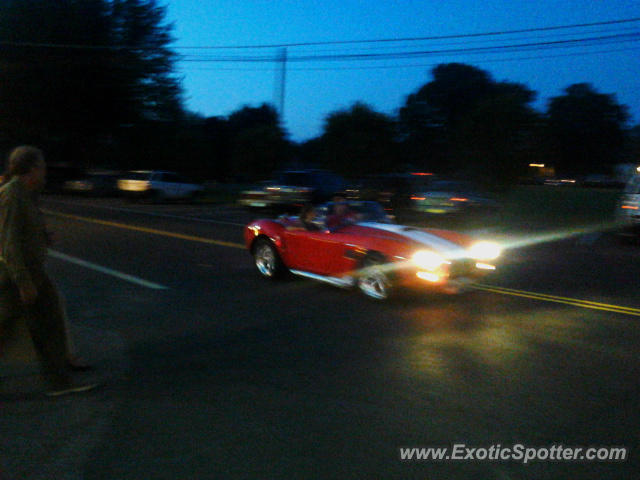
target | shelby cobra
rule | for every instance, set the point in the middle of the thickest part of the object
(366, 250)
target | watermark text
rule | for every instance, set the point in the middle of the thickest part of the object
(461, 452)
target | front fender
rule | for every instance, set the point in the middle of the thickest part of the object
(270, 229)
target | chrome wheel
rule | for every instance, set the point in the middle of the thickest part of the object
(266, 259)
(374, 282)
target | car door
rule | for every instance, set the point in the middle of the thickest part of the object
(320, 252)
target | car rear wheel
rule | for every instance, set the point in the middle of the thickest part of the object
(374, 280)
(267, 259)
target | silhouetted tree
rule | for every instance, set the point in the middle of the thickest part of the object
(496, 140)
(359, 140)
(216, 138)
(632, 148)
(145, 63)
(73, 72)
(429, 118)
(53, 71)
(455, 90)
(465, 122)
(258, 145)
(586, 130)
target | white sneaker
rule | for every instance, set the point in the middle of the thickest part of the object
(69, 389)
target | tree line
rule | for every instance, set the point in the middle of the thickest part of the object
(94, 83)
(464, 122)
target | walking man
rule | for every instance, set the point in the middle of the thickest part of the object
(26, 291)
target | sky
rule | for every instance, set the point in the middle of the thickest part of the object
(220, 75)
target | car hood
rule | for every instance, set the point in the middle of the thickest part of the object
(452, 243)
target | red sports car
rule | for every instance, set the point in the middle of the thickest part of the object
(352, 244)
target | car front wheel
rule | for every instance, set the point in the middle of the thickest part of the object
(374, 279)
(267, 259)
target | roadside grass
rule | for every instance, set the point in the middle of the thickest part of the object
(540, 209)
(543, 207)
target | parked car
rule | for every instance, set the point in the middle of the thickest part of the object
(158, 185)
(369, 251)
(628, 211)
(58, 174)
(97, 184)
(393, 191)
(258, 196)
(443, 196)
(294, 188)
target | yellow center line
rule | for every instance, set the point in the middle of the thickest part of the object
(555, 297)
(563, 300)
(487, 288)
(151, 231)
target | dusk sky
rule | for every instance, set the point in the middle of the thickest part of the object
(218, 81)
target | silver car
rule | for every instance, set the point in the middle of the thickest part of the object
(158, 185)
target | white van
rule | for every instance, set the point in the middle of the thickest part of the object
(629, 207)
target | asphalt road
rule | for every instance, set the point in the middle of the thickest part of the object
(235, 377)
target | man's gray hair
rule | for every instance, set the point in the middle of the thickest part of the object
(21, 160)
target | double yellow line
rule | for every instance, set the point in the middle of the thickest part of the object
(486, 288)
(556, 299)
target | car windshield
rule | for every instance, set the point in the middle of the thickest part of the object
(369, 212)
(362, 211)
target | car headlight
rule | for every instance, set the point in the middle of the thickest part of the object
(428, 260)
(485, 251)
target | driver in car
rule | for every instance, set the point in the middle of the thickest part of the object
(308, 217)
(342, 214)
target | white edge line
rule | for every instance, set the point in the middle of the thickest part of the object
(108, 271)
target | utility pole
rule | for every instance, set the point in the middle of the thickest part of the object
(281, 77)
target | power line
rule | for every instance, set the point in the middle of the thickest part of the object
(484, 41)
(586, 42)
(579, 42)
(414, 39)
(318, 43)
(411, 65)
